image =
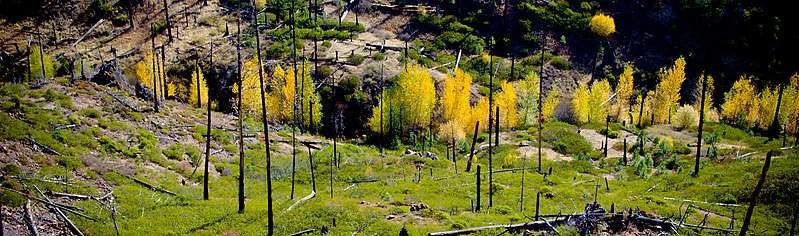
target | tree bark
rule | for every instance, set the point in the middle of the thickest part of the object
(240, 111)
(701, 122)
(755, 194)
(471, 152)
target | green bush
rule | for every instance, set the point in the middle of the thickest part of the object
(175, 152)
(356, 59)
(11, 169)
(91, 113)
(121, 20)
(71, 163)
(379, 56)
(502, 209)
(459, 224)
(11, 199)
(400, 210)
(565, 139)
(108, 145)
(560, 63)
(612, 134)
(440, 215)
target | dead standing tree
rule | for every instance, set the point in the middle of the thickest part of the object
(240, 111)
(270, 216)
(755, 194)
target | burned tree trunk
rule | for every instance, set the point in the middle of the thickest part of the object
(471, 151)
(755, 194)
(168, 25)
(240, 111)
(701, 122)
(270, 215)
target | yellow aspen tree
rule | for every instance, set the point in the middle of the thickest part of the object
(455, 98)
(36, 59)
(708, 94)
(417, 95)
(649, 106)
(506, 101)
(624, 91)
(451, 130)
(602, 25)
(281, 98)
(580, 107)
(144, 69)
(251, 90)
(203, 87)
(550, 103)
(636, 111)
(311, 104)
(374, 120)
(668, 91)
(738, 101)
(528, 98)
(766, 108)
(597, 102)
(790, 107)
(479, 113)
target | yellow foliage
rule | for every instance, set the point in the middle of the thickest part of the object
(145, 70)
(195, 84)
(479, 113)
(550, 103)
(602, 25)
(528, 98)
(580, 104)
(766, 108)
(374, 121)
(251, 89)
(412, 100)
(708, 94)
(597, 105)
(450, 131)
(509, 161)
(686, 117)
(790, 110)
(36, 58)
(668, 91)
(455, 98)
(506, 101)
(739, 101)
(624, 91)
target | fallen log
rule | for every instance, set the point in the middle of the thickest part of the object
(708, 211)
(306, 198)
(70, 209)
(694, 201)
(307, 231)
(382, 47)
(81, 38)
(653, 187)
(46, 148)
(151, 187)
(536, 225)
(582, 182)
(71, 225)
(28, 219)
(123, 102)
(68, 195)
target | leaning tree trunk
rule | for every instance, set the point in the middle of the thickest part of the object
(758, 187)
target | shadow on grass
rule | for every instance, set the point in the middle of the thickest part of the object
(206, 225)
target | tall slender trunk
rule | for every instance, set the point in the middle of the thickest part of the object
(540, 102)
(208, 132)
(701, 123)
(490, 105)
(755, 194)
(241, 111)
(166, 18)
(270, 213)
(296, 97)
(155, 80)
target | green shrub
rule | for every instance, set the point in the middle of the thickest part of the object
(115, 178)
(440, 215)
(565, 139)
(400, 210)
(612, 134)
(560, 63)
(546, 191)
(146, 139)
(327, 44)
(11, 199)
(502, 209)
(175, 152)
(71, 163)
(121, 20)
(11, 169)
(379, 56)
(355, 59)
(459, 224)
(108, 145)
(91, 113)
